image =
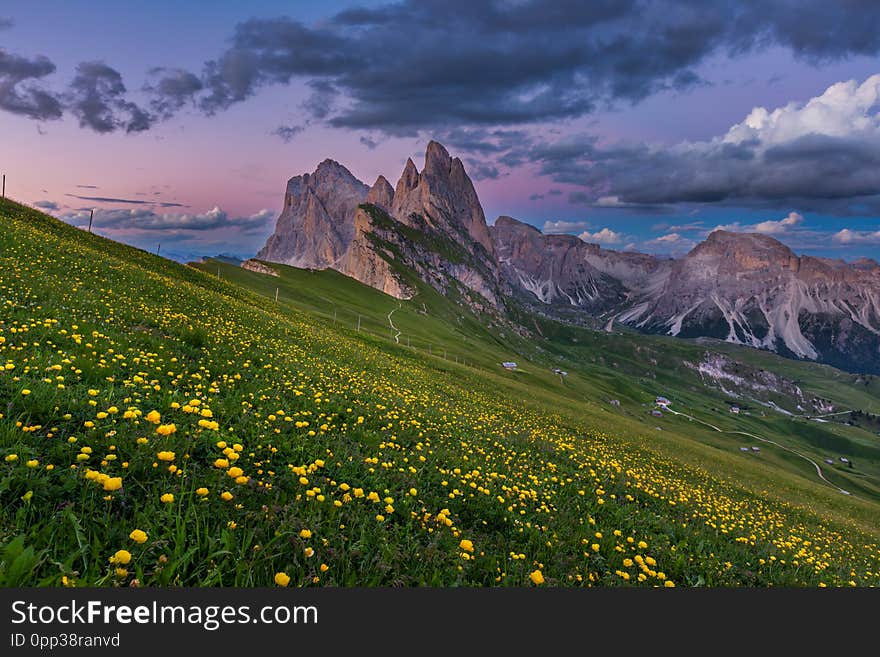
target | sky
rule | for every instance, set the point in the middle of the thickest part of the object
(635, 124)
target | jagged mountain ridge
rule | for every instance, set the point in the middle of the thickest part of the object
(744, 288)
(332, 220)
(430, 227)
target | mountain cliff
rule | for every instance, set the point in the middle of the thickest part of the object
(431, 225)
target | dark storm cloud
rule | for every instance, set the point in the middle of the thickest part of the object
(368, 142)
(6, 23)
(130, 201)
(778, 160)
(97, 99)
(481, 170)
(287, 132)
(171, 89)
(46, 205)
(429, 64)
(272, 52)
(320, 102)
(19, 95)
(145, 220)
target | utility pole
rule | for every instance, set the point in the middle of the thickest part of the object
(276, 294)
(359, 323)
(158, 248)
(91, 216)
(4, 185)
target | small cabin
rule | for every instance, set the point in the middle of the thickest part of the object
(662, 401)
(508, 365)
(734, 409)
(656, 413)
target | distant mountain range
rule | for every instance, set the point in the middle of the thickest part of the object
(430, 228)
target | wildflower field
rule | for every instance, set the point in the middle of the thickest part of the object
(159, 426)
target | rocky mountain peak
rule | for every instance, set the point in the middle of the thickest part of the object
(409, 179)
(437, 159)
(509, 223)
(745, 251)
(381, 194)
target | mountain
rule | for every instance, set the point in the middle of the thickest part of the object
(429, 228)
(742, 288)
(565, 272)
(752, 289)
(316, 226)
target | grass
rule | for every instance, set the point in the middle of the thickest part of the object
(247, 438)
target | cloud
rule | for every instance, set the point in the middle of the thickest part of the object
(171, 90)
(847, 236)
(287, 132)
(97, 99)
(46, 205)
(536, 197)
(793, 220)
(779, 227)
(670, 244)
(564, 226)
(681, 228)
(6, 23)
(482, 170)
(369, 142)
(425, 64)
(145, 220)
(107, 199)
(320, 102)
(18, 93)
(87, 186)
(604, 236)
(822, 155)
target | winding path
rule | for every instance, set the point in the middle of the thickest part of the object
(393, 327)
(771, 442)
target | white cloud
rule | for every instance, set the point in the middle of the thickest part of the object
(793, 220)
(564, 226)
(847, 236)
(671, 243)
(604, 236)
(844, 109)
(770, 227)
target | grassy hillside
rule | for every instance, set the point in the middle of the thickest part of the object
(630, 367)
(161, 425)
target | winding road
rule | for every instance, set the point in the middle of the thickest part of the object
(765, 440)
